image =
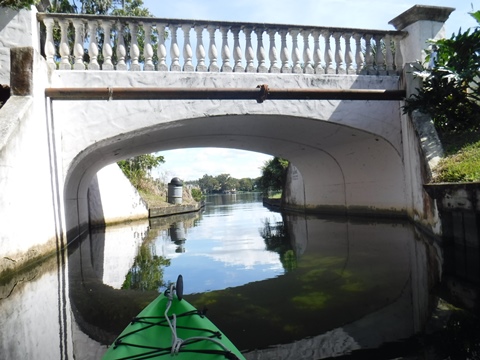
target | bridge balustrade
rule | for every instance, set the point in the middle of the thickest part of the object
(91, 42)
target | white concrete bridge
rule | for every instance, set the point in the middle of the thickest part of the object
(333, 110)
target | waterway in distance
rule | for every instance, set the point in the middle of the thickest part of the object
(281, 286)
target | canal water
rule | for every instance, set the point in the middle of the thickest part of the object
(281, 286)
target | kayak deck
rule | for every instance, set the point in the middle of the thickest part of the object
(170, 326)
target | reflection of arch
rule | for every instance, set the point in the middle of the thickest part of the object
(355, 285)
(341, 167)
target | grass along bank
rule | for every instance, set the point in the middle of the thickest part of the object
(461, 162)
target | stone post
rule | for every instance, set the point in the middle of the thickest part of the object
(423, 23)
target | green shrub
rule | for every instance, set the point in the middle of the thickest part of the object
(450, 91)
(197, 194)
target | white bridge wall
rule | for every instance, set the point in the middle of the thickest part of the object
(349, 153)
(346, 155)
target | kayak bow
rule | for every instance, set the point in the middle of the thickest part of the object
(170, 326)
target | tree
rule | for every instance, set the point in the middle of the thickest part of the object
(208, 184)
(226, 182)
(140, 166)
(97, 7)
(450, 92)
(62, 7)
(131, 8)
(245, 184)
(274, 174)
(18, 4)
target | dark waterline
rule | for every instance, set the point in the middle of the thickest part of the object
(296, 287)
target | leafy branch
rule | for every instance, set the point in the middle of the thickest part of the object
(450, 92)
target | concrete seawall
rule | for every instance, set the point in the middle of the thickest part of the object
(459, 209)
(174, 210)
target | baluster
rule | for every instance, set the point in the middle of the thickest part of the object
(200, 50)
(261, 55)
(93, 47)
(187, 49)
(161, 50)
(107, 50)
(284, 52)
(64, 48)
(398, 54)
(226, 67)
(329, 69)
(212, 49)
(249, 54)
(49, 44)
(121, 50)
(379, 59)
(389, 55)
(78, 50)
(237, 50)
(134, 49)
(368, 55)
(307, 54)
(147, 48)
(297, 68)
(338, 54)
(174, 49)
(317, 54)
(272, 54)
(359, 58)
(348, 54)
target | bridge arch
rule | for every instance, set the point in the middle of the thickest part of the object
(336, 168)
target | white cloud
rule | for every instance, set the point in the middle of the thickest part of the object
(192, 164)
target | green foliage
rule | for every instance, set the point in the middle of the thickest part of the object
(18, 4)
(223, 183)
(450, 92)
(208, 184)
(62, 7)
(463, 166)
(137, 169)
(274, 173)
(132, 8)
(246, 184)
(197, 194)
(96, 7)
(147, 270)
(226, 182)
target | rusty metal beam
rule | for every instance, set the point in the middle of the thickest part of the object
(260, 94)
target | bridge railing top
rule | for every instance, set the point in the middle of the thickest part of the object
(97, 42)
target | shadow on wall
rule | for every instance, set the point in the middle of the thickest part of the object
(4, 94)
(95, 207)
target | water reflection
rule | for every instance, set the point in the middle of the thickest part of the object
(177, 234)
(320, 282)
(223, 246)
(276, 239)
(292, 287)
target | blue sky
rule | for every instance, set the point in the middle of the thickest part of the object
(191, 164)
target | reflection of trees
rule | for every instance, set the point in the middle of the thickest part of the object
(147, 270)
(276, 239)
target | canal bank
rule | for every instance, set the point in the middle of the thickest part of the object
(459, 210)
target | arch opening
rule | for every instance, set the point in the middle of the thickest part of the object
(335, 167)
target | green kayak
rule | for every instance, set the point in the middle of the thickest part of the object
(170, 326)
